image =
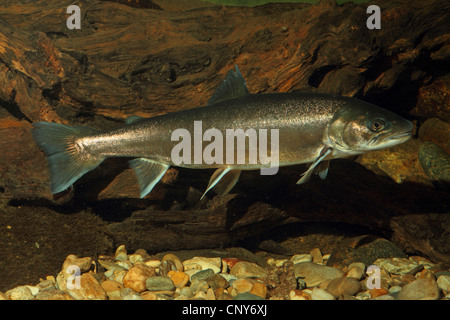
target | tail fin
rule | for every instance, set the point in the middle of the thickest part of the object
(66, 162)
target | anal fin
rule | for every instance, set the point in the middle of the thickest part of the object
(307, 174)
(148, 173)
(222, 181)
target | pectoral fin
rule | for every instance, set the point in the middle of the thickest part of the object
(322, 169)
(222, 180)
(148, 173)
(307, 174)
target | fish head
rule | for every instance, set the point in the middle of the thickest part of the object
(358, 127)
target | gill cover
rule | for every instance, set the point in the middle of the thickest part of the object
(359, 127)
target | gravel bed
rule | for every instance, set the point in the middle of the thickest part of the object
(141, 276)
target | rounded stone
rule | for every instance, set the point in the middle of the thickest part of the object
(245, 269)
(242, 285)
(216, 281)
(179, 278)
(375, 293)
(199, 285)
(88, 288)
(136, 277)
(435, 163)
(202, 275)
(202, 263)
(313, 274)
(121, 253)
(132, 297)
(443, 282)
(53, 294)
(177, 262)
(110, 285)
(259, 289)
(420, 289)
(296, 294)
(159, 284)
(355, 273)
(301, 258)
(247, 296)
(345, 285)
(84, 264)
(19, 293)
(396, 265)
(320, 294)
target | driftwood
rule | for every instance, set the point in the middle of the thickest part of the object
(141, 61)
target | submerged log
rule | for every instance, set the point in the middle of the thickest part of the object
(141, 61)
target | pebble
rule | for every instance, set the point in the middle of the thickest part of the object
(242, 285)
(84, 264)
(320, 294)
(247, 296)
(230, 262)
(179, 278)
(177, 262)
(136, 277)
(345, 285)
(216, 281)
(355, 273)
(228, 277)
(420, 289)
(202, 275)
(248, 270)
(259, 289)
(443, 282)
(88, 288)
(394, 291)
(132, 297)
(199, 285)
(313, 274)
(53, 294)
(109, 264)
(153, 262)
(374, 293)
(296, 294)
(19, 293)
(135, 257)
(295, 278)
(156, 283)
(201, 263)
(435, 163)
(301, 258)
(384, 297)
(316, 256)
(396, 265)
(363, 296)
(121, 253)
(110, 286)
(186, 291)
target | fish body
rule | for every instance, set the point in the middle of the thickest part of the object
(310, 128)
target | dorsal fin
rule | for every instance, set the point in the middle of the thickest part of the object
(232, 86)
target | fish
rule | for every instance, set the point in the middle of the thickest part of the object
(312, 128)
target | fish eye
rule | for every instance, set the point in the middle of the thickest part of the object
(377, 125)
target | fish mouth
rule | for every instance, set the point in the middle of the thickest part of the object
(400, 136)
(389, 141)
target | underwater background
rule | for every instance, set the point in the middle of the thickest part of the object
(149, 58)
